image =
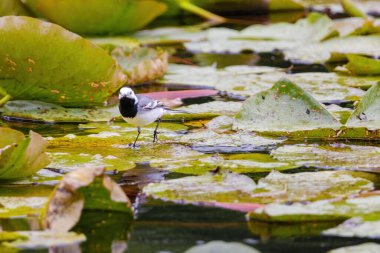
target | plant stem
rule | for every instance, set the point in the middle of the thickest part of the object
(187, 5)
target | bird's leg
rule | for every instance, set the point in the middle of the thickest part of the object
(155, 131)
(137, 137)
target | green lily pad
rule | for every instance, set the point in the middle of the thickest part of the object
(315, 27)
(276, 187)
(116, 135)
(335, 49)
(222, 247)
(20, 156)
(265, 112)
(351, 9)
(322, 210)
(99, 17)
(42, 239)
(368, 247)
(356, 26)
(88, 189)
(110, 43)
(356, 227)
(196, 163)
(360, 65)
(41, 70)
(334, 156)
(52, 113)
(367, 113)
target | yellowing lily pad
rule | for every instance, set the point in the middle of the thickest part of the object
(86, 188)
(333, 156)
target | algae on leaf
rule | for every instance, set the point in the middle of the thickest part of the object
(284, 108)
(54, 65)
(21, 156)
(86, 188)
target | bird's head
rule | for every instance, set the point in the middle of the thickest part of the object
(127, 93)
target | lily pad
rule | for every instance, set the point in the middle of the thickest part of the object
(276, 187)
(21, 156)
(360, 65)
(37, 71)
(284, 108)
(315, 27)
(86, 188)
(52, 113)
(322, 210)
(356, 26)
(205, 110)
(245, 81)
(31, 240)
(368, 247)
(356, 227)
(367, 113)
(335, 49)
(222, 247)
(141, 65)
(333, 156)
(99, 17)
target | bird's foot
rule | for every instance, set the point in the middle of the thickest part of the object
(133, 146)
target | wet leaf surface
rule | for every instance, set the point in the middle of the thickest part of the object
(222, 247)
(356, 227)
(333, 156)
(362, 248)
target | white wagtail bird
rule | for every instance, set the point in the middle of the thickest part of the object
(139, 110)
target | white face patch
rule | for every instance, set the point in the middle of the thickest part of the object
(127, 92)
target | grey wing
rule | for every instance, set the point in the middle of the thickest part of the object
(148, 104)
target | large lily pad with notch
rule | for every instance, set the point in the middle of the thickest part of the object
(322, 210)
(315, 27)
(98, 17)
(21, 156)
(335, 49)
(246, 81)
(40, 68)
(333, 156)
(32, 240)
(367, 113)
(356, 227)
(367, 247)
(285, 108)
(276, 187)
(86, 188)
